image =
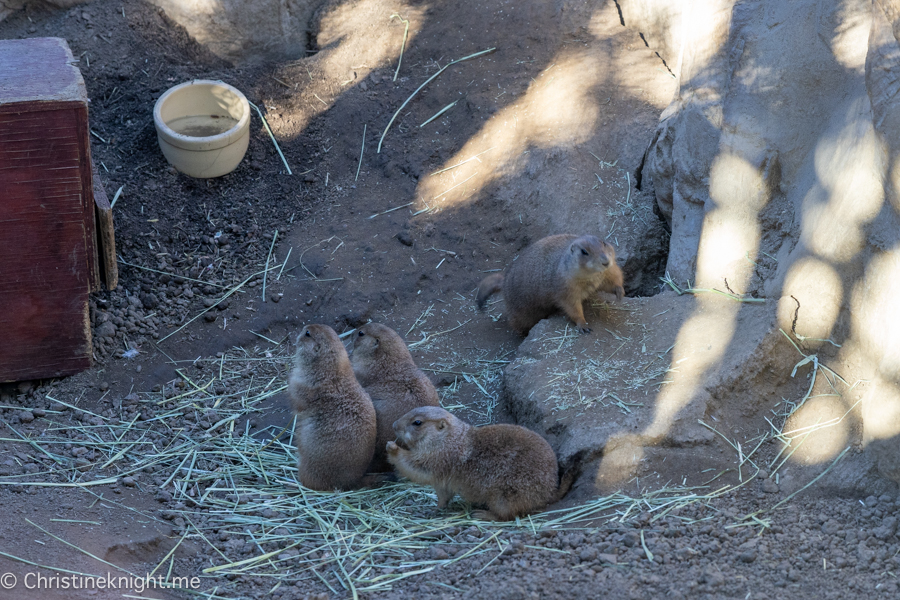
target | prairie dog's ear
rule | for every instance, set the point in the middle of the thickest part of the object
(442, 424)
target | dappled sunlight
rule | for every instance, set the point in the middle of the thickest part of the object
(849, 41)
(342, 41)
(601, 27)
(728, 242)
(348, 54)
(849, 192)
(558, 109)
(817, 287)
(877, 327)
(881, 410)
(621, 457)
(818, 430)
(730, 236)
(237, 30)
(196, 7)
(705, 28)
(699, 347)
(876, 322)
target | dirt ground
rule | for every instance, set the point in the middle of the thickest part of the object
(216, 276)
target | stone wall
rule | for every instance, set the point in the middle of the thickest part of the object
(776, 167)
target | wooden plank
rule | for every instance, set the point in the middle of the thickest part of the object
(106, 234)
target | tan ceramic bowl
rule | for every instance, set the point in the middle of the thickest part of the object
(203, 127)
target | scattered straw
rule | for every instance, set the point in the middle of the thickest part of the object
(430, 336)
(455, 186)
(427, 81)
(82, 550)
(242, 487)
(692, 290)
(219, 301)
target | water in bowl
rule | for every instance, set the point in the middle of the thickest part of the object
(202, 125)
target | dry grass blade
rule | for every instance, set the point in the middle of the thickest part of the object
(266, 270)
(363, 149)
(272, 137)
(403, 44)
(438, 113)
(419, 89)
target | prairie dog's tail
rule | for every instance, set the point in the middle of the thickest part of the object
(488, 286)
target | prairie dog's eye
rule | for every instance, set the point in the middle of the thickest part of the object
(417, 423)
(583, 251)
(362, 333)
(307, 334)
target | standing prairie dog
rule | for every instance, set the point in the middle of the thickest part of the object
(384, 367)
(335, 416)
(556, 272)
(510, 469)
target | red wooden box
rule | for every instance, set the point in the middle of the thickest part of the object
(56, 236)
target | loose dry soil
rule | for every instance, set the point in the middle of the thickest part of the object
(168, 432)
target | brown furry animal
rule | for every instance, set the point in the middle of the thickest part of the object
(335, 416)
(510, 469)
(556, 272)
(383, 366)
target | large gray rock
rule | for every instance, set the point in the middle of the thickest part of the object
(776, 167)
(800, 172)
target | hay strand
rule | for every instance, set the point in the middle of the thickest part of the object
(402, 45)
(419, 89)
(272, 137)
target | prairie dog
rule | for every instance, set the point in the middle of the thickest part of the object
(384, 367)
(556, 272)
(335, 416)
(510, 469)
